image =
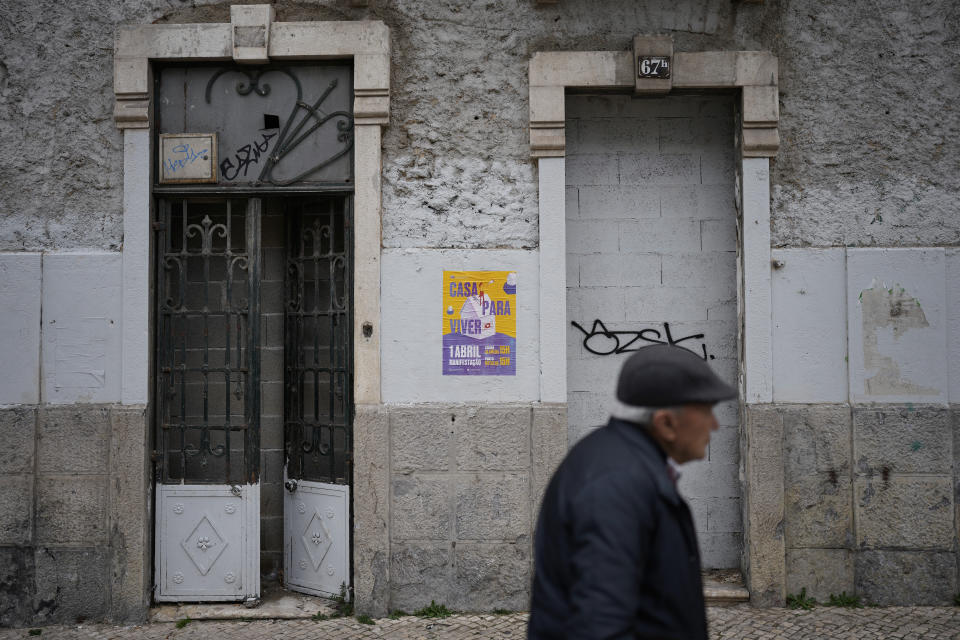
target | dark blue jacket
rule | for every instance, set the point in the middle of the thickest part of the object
(615, 551)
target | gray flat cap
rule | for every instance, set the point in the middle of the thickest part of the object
(665, 376)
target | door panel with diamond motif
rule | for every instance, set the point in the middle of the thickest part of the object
(207, 530)
(207, 409)
(318, 380)
(316, 537)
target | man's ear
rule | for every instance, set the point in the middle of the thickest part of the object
(663, 422)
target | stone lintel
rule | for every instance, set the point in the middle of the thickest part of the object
(695, 70)
(753, 72)
(759, 68)
(587, 69)
(328, 40)
(195, 42)
(250, 30)
(259, 40)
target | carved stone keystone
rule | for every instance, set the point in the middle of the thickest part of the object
(250, 29)
(652, 55)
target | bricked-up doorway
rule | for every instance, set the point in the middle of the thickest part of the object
(651, 254)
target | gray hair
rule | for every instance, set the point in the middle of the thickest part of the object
(637, 415)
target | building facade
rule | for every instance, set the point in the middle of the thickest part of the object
(321, 292)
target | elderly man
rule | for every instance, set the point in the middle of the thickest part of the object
(615, 549)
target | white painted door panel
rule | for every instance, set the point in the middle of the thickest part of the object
(208, 540)
(317, 537)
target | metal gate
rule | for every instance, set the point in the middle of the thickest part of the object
(279, 136)
(318, 385)
(207, 399)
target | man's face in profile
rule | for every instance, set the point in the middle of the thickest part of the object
(685, 432)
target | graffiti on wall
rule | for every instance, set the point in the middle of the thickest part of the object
(601, 341)
(245, 156)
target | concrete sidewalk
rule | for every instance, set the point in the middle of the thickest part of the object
(741, 622)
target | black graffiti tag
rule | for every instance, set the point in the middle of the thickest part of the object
(601, 341)
(245, 156)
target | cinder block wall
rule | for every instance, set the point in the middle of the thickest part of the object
(651, 246)
(271, 390)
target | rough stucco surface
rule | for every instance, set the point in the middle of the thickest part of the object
(869, 150)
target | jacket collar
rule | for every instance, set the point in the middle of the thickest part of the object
(654, 456)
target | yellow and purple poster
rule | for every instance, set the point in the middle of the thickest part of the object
(479, 323)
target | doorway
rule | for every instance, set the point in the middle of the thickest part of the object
(254, 378)
(651, 255)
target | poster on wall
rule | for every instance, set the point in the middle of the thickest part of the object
(479, 323)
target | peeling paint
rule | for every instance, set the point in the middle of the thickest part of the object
(889, 309)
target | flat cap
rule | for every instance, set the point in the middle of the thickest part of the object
(666, 376)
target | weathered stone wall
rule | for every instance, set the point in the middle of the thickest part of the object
(869, 158)
(74, 535)
(465, 484)
(862, 382)
(868, 501)
(869, 154)
(74, 522)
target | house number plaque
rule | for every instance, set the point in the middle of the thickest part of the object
(653, 66)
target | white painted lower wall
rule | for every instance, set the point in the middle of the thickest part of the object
(809, 325)
(412, 321)
(866, 325)
(815, 292)
(81, 330)
(20, 288)
(60, 327)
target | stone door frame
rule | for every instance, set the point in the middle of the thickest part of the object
(753, 74)
(253, 37)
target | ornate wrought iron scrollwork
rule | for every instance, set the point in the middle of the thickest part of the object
(315, 446)
(338, 266)
(205, 230)
(206, 331)
(301, 115)
(204, 448)
(317, 342)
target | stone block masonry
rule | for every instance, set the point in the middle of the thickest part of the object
(74, 538)
(465, 486)
(869, 500)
